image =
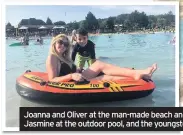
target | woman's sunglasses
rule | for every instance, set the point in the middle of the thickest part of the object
(66, 44)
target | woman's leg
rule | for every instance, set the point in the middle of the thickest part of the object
(112, 70)
(108, 78)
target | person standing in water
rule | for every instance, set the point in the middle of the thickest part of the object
(25, 39)
(40, 39)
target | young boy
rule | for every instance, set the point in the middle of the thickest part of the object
(84, 49)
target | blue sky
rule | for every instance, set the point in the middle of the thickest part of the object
(14, 13)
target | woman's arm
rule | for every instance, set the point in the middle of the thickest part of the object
(53, 71)
(65, 78)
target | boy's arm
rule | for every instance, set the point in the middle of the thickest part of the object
(93, 57)
(74, 53)
(93, 60)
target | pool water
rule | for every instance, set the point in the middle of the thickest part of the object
(125, 50)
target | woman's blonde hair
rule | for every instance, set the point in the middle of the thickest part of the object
(66, 56)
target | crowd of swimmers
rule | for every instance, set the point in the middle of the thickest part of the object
(25, 39)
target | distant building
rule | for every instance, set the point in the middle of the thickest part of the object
(34, 25)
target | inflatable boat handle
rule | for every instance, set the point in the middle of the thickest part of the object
(42, 83)
(27, 71)
(82, 82)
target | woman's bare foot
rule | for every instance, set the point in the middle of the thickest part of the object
(147, 73)
(155, 66)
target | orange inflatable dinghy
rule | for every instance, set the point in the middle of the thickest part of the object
(35, 86)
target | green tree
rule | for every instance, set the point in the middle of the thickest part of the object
(121, 18)
(161, 22)
(102, 24)
(138, 20)
(60, 23)
(8, 24)
(75, 25)
(127, 25)
(152, 21)
(169, 18)
(84, 24)
(143, 20)
(92, 22)
(110, 23)
(48, 21)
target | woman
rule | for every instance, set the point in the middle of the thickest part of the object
(61, 68)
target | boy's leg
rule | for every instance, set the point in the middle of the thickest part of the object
(90, 62)
(80, 61)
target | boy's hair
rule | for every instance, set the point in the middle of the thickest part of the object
(82, 31)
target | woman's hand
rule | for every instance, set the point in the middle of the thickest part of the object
(77, 77)
(79, 70)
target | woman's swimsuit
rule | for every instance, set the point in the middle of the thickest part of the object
(65, 69)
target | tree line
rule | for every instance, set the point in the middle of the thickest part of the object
(134, 21)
